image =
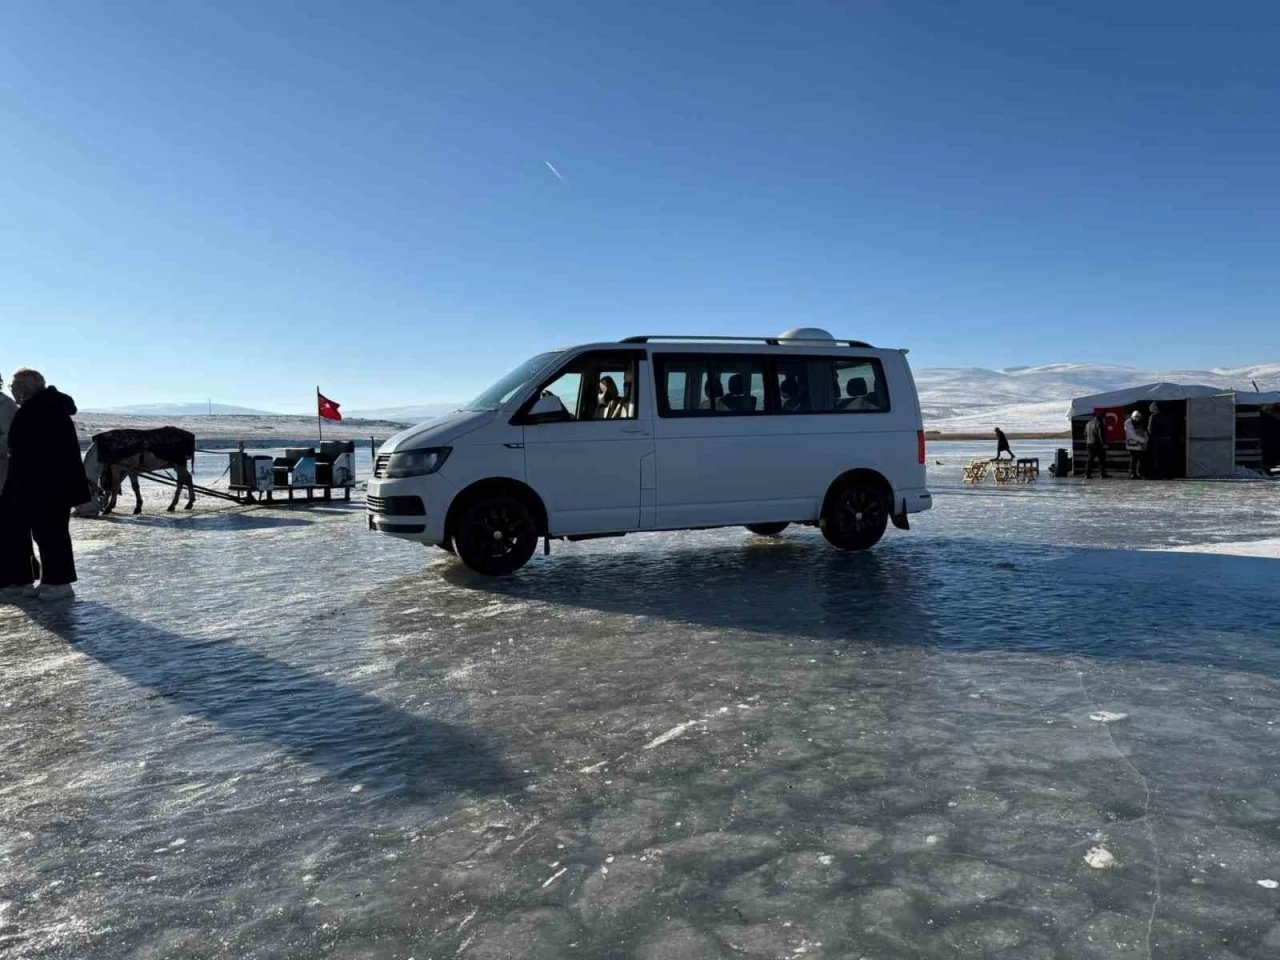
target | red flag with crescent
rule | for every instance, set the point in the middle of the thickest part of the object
(328, 409)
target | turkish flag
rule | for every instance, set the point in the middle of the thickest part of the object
(328, 409)
(1113, 417)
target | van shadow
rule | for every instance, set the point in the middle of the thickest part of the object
(1187, 609)
(350, 735)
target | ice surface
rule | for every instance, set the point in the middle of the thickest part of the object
(885, 755)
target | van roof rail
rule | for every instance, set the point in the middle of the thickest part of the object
(771, 341)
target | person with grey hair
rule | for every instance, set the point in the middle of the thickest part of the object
(47, 480)
(16, 558)
(7, 409)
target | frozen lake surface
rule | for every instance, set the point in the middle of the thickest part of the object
(1045, 723)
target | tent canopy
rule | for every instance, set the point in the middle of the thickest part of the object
(1156, 392)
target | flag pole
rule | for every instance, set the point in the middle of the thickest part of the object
(319, 419)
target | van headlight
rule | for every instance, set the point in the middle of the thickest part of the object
(416, 463)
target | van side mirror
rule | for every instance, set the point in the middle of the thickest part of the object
(547, 409)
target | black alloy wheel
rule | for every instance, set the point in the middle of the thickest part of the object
(855, 516)
(496, 535)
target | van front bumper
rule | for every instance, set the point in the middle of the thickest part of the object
(412, 508)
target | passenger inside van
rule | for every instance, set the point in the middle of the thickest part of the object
(737, 399)
(789, 388)
(857, 398)
(610, 405)
(715, 395)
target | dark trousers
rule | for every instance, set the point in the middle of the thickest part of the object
(17, 562)
(51, 529)
(1161, 459)
(1136, 458)
(1096, 455)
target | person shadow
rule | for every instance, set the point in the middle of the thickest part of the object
(346, 733)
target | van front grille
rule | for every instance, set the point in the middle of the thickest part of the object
(396, 506)
(380, 466)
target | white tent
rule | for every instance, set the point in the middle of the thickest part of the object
(1210, 441)
(1155, 392)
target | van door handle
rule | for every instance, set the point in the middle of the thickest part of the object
(640, 430)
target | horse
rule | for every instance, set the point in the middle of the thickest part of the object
(115, 453)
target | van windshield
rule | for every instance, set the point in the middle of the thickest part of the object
(502, 391)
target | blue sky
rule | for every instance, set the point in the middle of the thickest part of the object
(246, 199)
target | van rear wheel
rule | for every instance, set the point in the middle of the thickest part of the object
(855, 516)
(495, 535)
(767, 529)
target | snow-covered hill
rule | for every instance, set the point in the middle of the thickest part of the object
(199, 409)
(1036, 399)
(412, 413)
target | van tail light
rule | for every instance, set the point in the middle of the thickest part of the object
(920, 445)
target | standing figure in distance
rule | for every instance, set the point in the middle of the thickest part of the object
(1160, 432)
(1135, 439)
(1095, 438)
(1002, 445)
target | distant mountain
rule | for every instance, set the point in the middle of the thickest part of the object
(1036, 399)
(185, 410)
(408, 414)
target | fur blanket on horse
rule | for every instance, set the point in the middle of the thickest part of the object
(116, 454)
(164, 443)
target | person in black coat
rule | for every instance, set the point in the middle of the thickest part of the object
(1160, 452)
(1002, 445)
(47, 478)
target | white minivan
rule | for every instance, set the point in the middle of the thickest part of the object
(663, 433)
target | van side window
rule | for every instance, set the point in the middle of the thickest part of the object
(567, 388)
(597, 386)
(793, 385)
(708, 385)
(736, 385)
(860, 386)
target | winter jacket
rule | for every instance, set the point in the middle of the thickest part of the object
(7, 409)
(1135, 438)
(1160, 427)
(1095, 434)
(44, 454)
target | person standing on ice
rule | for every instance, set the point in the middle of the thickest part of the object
(14, 557)
(1135, 438)
(48, 480)
(1002, 445)
(1095, 438)
(1160, 432)
(7, 409)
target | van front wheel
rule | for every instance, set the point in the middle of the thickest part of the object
(767, 529)
(855, 516)
(495, 535)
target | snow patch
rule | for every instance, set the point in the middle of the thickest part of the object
(1100, 858)
(1106, 716)
(673, 733)
(1267, 549)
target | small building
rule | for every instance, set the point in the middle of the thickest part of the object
(1215, 431)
